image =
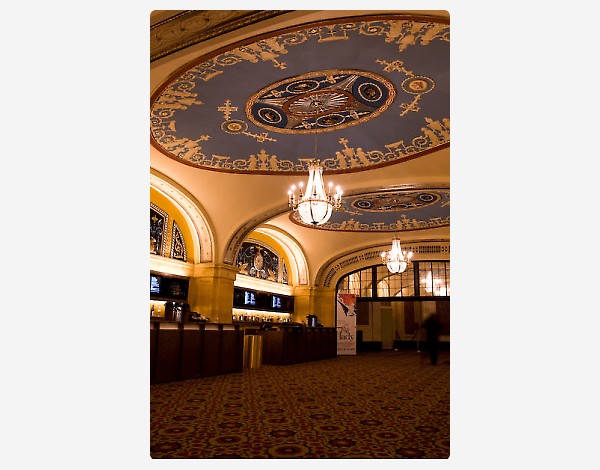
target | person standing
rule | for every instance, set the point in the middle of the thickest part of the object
(432, 327)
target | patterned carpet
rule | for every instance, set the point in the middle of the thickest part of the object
(375, 405)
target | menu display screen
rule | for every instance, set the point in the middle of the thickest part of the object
(155, 284)
(249, 298)
(255, 300)
(164, 287)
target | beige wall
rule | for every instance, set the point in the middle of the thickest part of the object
(387, 318)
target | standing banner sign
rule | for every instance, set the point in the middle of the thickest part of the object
(346, 324)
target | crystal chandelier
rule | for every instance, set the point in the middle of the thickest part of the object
(396, 260)
(315, 205)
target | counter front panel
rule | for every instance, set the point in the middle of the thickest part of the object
(180, 351)
(295, 344)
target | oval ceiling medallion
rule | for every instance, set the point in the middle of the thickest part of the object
(320, 101)
(376, 90)
(389, 211)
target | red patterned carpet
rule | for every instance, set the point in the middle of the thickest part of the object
(376, 405)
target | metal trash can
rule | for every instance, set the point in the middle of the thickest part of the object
(252, 351)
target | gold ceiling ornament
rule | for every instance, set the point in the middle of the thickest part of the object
(346, 97)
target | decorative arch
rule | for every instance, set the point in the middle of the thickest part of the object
(331, 271)
(246, 228)
(259, 259)
(293, 250)
(203, 240)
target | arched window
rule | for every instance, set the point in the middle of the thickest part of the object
(421, 279)
(159, 223)
(257, 260)
(159, 235)
(434, 278)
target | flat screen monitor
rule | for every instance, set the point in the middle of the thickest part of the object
(255, 300)
(168, 287)
(155, 284)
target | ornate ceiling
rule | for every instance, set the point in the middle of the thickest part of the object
(356, 93)
(363, 94)
(394, 210)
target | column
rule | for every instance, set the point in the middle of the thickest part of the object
(211, 291)
(318, 301)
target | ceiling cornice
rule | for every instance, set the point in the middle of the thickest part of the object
(194, 26)
(331, 271)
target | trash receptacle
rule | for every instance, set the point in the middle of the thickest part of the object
(252, 351)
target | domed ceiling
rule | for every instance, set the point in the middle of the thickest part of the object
(357, 93)
(394, 210)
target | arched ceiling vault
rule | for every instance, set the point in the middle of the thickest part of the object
(238, 108)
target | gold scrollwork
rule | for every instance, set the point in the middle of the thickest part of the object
(181, 94)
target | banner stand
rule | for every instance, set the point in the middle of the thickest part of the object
(346, 324)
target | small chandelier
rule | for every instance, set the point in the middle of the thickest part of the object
(314, 205)
(396, 260)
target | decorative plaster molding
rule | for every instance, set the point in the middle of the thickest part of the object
(171, 266)
(261, 285)
(293, 250)
(194, 26)
(202, 234)
(337, 267)
(242, 232)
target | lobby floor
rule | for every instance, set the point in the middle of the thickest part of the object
(375, 405)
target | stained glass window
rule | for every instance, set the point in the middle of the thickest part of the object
(256, 260)
(159, 221)
(177, 244)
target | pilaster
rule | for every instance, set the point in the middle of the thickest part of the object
(318, 301)
(211, 291)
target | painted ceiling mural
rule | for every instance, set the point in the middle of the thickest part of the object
(389, 211)
(363, 92)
